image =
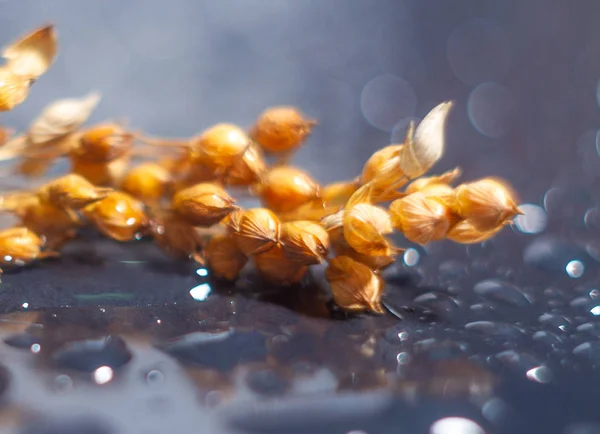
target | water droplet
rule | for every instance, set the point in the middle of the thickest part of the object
(497, 290)
(387, 99)
(103, 375)
(553, 320)
(201, 292)
(154, 378)
(35, 348)
(455, 425)
(62, 383)
(266, 382)
(590, 328)
(411, 257)
(540, 374)
(590, 350)
(533, 220)
(202, 272)
(495, 329)
(575, 269)
(547, 338)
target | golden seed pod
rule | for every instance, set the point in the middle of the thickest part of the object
(286, 188)
(118, 216)
(275, 267)
(220, 146)
(176, 237)
(365, 227)
(487, 203)
(203, 204)
(379, 161)
(336, 195)
(33, 167)
(146, 182)
(32, 55)
(14, 89)
(232, 221)
(105, 174)
(247, 170)
(103, 143)
(72, 191)
(304, 242)
(47, 219)
(258, 231)
(425, 147)
(224, 257)
(465, 232)
(5, 134)
(354, 286)
(422, 219)
(20, 246)
(431, 185)
(281, 128)
(59, 119)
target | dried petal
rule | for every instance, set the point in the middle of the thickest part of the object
(60, 118)
(422, 219)
(203, 204)
(176, 237)
(281, 128)
(249, 169)
(32, 55)
(220, 146)
(487, 203)
(355, 287)
(13, 89)
(224, 257)
(465, 232)
(423, 149)
(364, 228)
(258, 231)
(146, 182)
(275, 267)
(72, 191)
(304, 242)
(286, 188)
(118, 216)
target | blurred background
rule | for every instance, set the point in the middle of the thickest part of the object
(524, 75)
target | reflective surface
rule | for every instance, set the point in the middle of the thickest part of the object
(502, 337)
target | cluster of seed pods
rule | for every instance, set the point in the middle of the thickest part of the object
(182, 194)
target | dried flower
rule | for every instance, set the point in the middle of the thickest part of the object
(176, 237)
(14, 89)
(422, 219)
(146, 182)
(304, 242)
(365, 227)
(487, 203)
(118, 216)
(220, 146)
(465, 232)
(72, 191)
(247, 170)
(20, 246)
(354, 286)
(275, 267)
(281, 128)
(258, 231)
(32, 55)
(224, 257)
(203, 204)
(286, 188)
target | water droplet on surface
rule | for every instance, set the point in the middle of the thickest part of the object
(455, 425)
(497, 290)
(575, 269)
(495, 329)
(553, 255)
(547, 338)
(555, 321)
(62, 383)
(154, 378)
(411, 257)
(533, 220)
(540, 374)
(89, 355)
(103, 375)
(590, 328)
(589, 350)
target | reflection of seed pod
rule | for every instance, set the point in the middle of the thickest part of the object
(464, 232)
(364, 228)
(72, 191)
(258, 231)
(275, 267)
(304, 242)
(281, 128)
(487, 203)
(203, 204)
(146, 182)
(220, 146)
(422, 219)
(224, 257)
(354, 286)
(286, 188)
(118, 216)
